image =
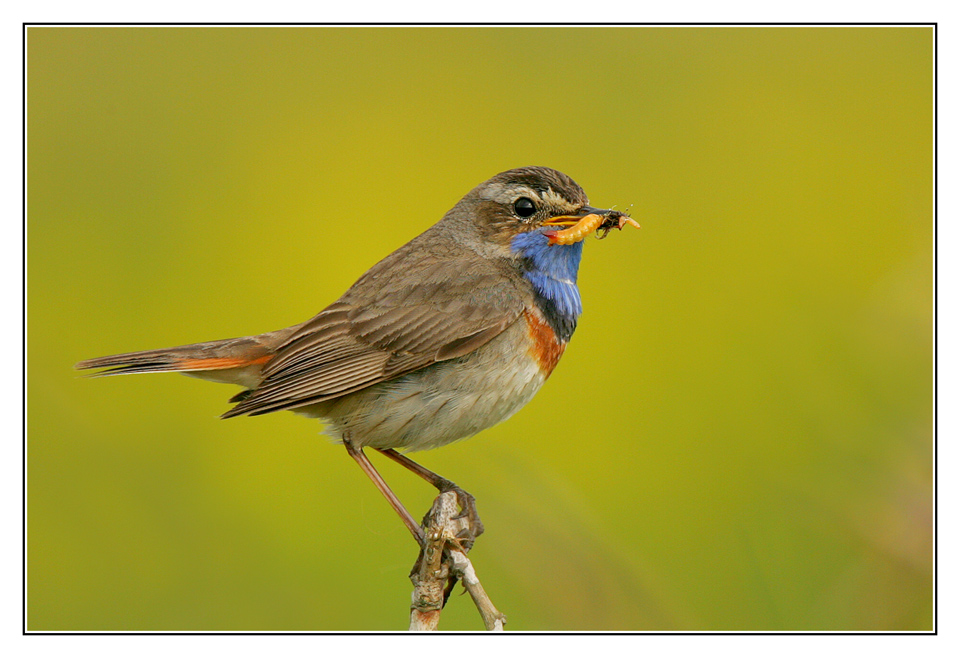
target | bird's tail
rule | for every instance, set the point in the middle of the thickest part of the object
(234, 360)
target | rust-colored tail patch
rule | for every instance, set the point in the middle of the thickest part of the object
(218, 363)
(214, 355)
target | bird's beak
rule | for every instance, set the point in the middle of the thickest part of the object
(589, 219)
(586, 211)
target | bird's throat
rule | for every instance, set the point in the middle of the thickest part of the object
(552, 269)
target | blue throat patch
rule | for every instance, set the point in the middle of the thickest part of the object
(552, 269)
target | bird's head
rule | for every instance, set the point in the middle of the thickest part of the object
(537, 218)
(537, 200)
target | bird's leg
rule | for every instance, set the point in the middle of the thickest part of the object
(408, 520)
(468, 504)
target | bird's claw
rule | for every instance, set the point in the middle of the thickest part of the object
(468, 511)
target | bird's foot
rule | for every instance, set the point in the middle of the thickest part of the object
(468, 511)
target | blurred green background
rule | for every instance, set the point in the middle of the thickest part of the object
(739, 436)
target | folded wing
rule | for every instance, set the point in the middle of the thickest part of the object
(411, 310)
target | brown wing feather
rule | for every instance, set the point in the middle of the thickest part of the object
(416, 307)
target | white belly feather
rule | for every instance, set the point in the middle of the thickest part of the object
(442, 403)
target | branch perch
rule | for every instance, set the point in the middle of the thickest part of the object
(441, 563)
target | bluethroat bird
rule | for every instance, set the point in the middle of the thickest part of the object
(450, 334)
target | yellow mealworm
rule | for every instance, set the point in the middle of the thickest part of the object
(578, 231)
(600, 223)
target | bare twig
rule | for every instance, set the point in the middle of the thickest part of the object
(442, 561)
(493, 619)
(430, 573)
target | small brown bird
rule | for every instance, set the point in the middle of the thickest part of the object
(450, 334)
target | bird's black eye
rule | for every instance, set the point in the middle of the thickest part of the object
(524, 207)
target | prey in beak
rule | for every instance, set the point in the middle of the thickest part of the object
(587, 220)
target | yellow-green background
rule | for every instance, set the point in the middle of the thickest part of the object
(739, 436)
